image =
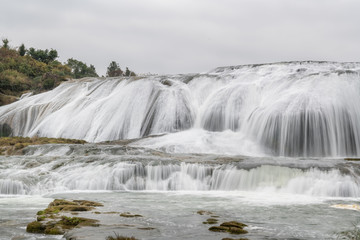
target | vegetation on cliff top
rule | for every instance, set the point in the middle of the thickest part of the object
(36, 70)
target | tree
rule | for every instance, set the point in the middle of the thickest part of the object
(129, 73)
(22, 50)
(80, 69)
(114, 70)
(52, 55)
(44, 56)
(5, 43)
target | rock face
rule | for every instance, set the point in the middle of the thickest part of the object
(51, 220)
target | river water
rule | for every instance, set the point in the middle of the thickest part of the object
(278, 198)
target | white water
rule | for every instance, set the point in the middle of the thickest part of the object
(52, 169)
(286, 109)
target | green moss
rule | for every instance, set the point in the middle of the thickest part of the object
(40, 218)
(88, 203)
(70, 221)
(211, 221)
(218, 229)
(236, 230)
(40, 212)
(35, 227)
(58, 202)
(232, 227)
(50, 222)
(233, 224)
(76, 208)
(53, 231)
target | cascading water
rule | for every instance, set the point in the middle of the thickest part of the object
(50, 169)
(286, 109)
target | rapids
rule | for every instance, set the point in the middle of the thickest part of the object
(62, 168)
(283, 109)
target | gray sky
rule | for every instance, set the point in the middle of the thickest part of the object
(182, 36)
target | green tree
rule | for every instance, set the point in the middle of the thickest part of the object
(5, 43)
(80, 69)
(44, 56)
(22, 50)
(129, 73)
(114, 70)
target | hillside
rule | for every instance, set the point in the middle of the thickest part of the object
(36, 71)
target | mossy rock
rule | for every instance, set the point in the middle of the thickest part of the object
(234, 239)
(70, 221)
(77, 208)
(211, 221)
(203, 212)
(218, 229)
(40, 212)
(129, 215)
(50, 222)
(146, 228)
(232, 227)
(54, 231)
(58, 202)
(35, 227)
(233, 224)
(40, 218)
(88, 203)
(236, 230)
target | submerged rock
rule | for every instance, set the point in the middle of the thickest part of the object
(203, 212)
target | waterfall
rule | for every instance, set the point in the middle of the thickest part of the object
(283, 109)
(47, 174)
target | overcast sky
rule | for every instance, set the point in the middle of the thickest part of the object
(183, 36)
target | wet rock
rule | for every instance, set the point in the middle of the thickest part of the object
(146, 228)
(35, 227)
(232, 227)
(49, 220)
(234, 239)
(118, 237)
(233, 224)
(218, 229)
(203, 212)
(211, 221)
(236, 230)
(129, 215)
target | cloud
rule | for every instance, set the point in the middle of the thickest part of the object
(176, 36)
